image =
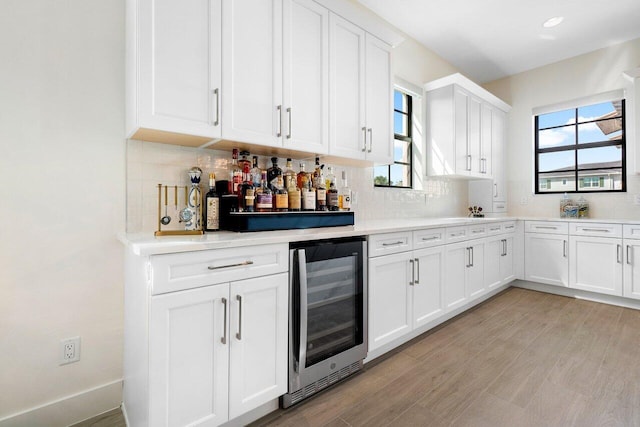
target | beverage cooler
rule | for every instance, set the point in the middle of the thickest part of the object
(328, 314)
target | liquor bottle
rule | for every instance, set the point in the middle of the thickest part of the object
(321, 193)
(211, 206)
(332, 197)
(256, 173)
(317, 171)
(246, 192)
(235, 173)
(302, 178)
(281, 202)
(264, 199)
(295, 203)
(344, 195)
(272, 173)
(329, 178)
(245, 159)
(289, 175)
(308, 197)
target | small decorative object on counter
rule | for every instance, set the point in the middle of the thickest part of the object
(194, 200)
(564, 202)
(476, 212)
(583, 208)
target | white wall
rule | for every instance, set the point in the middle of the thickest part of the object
(62, 172)
(574, 78)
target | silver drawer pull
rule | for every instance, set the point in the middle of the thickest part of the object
(240, 264)
(223, 340)
(545, 227)
(456, 234)
(393, 244)
(426, 239)
(494, 229)
(479, 231)
(239, 333)
(597, 230)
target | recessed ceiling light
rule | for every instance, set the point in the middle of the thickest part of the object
(552, 22)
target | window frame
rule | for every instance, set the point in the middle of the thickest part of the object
(576, 147)
(406, 138)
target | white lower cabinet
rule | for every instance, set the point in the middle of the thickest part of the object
(498, 261)
(218, 351)
(631, 287)
(546, 258)
(427, 285)
(596, 264)
(464, 273)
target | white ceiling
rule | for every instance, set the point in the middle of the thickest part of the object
(490, 39)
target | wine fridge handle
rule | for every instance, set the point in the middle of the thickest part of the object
(302, 269)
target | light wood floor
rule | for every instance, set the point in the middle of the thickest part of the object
(523, 358)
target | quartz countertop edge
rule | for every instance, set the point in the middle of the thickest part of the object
(146, 244)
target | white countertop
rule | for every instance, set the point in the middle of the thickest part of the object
(147, 244)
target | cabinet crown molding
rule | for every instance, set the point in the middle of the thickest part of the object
(469, 85)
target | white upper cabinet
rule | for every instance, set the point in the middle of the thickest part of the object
(361, 94)
(173, 70)
(464, 129)
(275, 74)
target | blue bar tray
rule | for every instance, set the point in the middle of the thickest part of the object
(269, 221)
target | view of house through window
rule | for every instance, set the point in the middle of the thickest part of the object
(581, 149)
(398, 174)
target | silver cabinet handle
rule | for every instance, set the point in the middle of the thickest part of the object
(370, 140)
(495, 189)
(240, 264)
(239, 334)
(483, 165)
(413, 273)
(224, 332)
(468, 162)
(564, 248)
(628, 256)
(279, 132)
(477, 231)
(468, 257)
(216, 93)
(302, 269)
(596, 230)
(619, 254)
(393, 244)
(545, 227)
(364, 141)
(417, 280)
(289, 114)
(471, 255)
(426, 239)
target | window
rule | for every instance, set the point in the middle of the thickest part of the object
(398, 174)
(581, 149)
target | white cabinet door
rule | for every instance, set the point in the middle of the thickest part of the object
(252, 71)
(379, 99)
(632, 269)
(463, 158)
(494, 249)
(346, 80)
(258, 336)
(188, 361)
(428, 285)
(474, 134)
(546, 258)
(487, 118)
(507, 267)
(498, 161)
(306, 76)
(596, 264)
(390, 308)
(475, 282)
(456, 264)
(176, 84)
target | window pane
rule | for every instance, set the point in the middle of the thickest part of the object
(557, 118)
(599, 111)
(604, 180)
(557, 137)
(400, 175)
(556, 181)
(601, 157)
(381, 175)
(558, 161)
(401, 151)
(599, 131)
(399, 101)
(400, 124)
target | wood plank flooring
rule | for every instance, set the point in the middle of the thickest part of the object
(522, 358)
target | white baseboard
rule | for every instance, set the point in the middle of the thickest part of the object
(70, 409)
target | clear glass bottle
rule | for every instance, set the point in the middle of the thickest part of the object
(294, 193)
(289, 175)
(321, 193)
(302, 178)
(281, 202)
(235, 173)
(329, 178)
(256, 173)
(264, 199)
(211, 205)
(344, 195)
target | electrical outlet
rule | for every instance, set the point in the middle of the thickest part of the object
(636, 199)
(524, 200)
(70, 349)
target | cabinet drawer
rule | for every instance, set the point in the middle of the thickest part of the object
(509, 227)
(596, 229)
(390, 243)
(631, 231)
(476, 231)
(494, 228)
(175, 272)
(549, 227)
(428, 238)
(457, 234)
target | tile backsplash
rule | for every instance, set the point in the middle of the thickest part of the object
(150, 164)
